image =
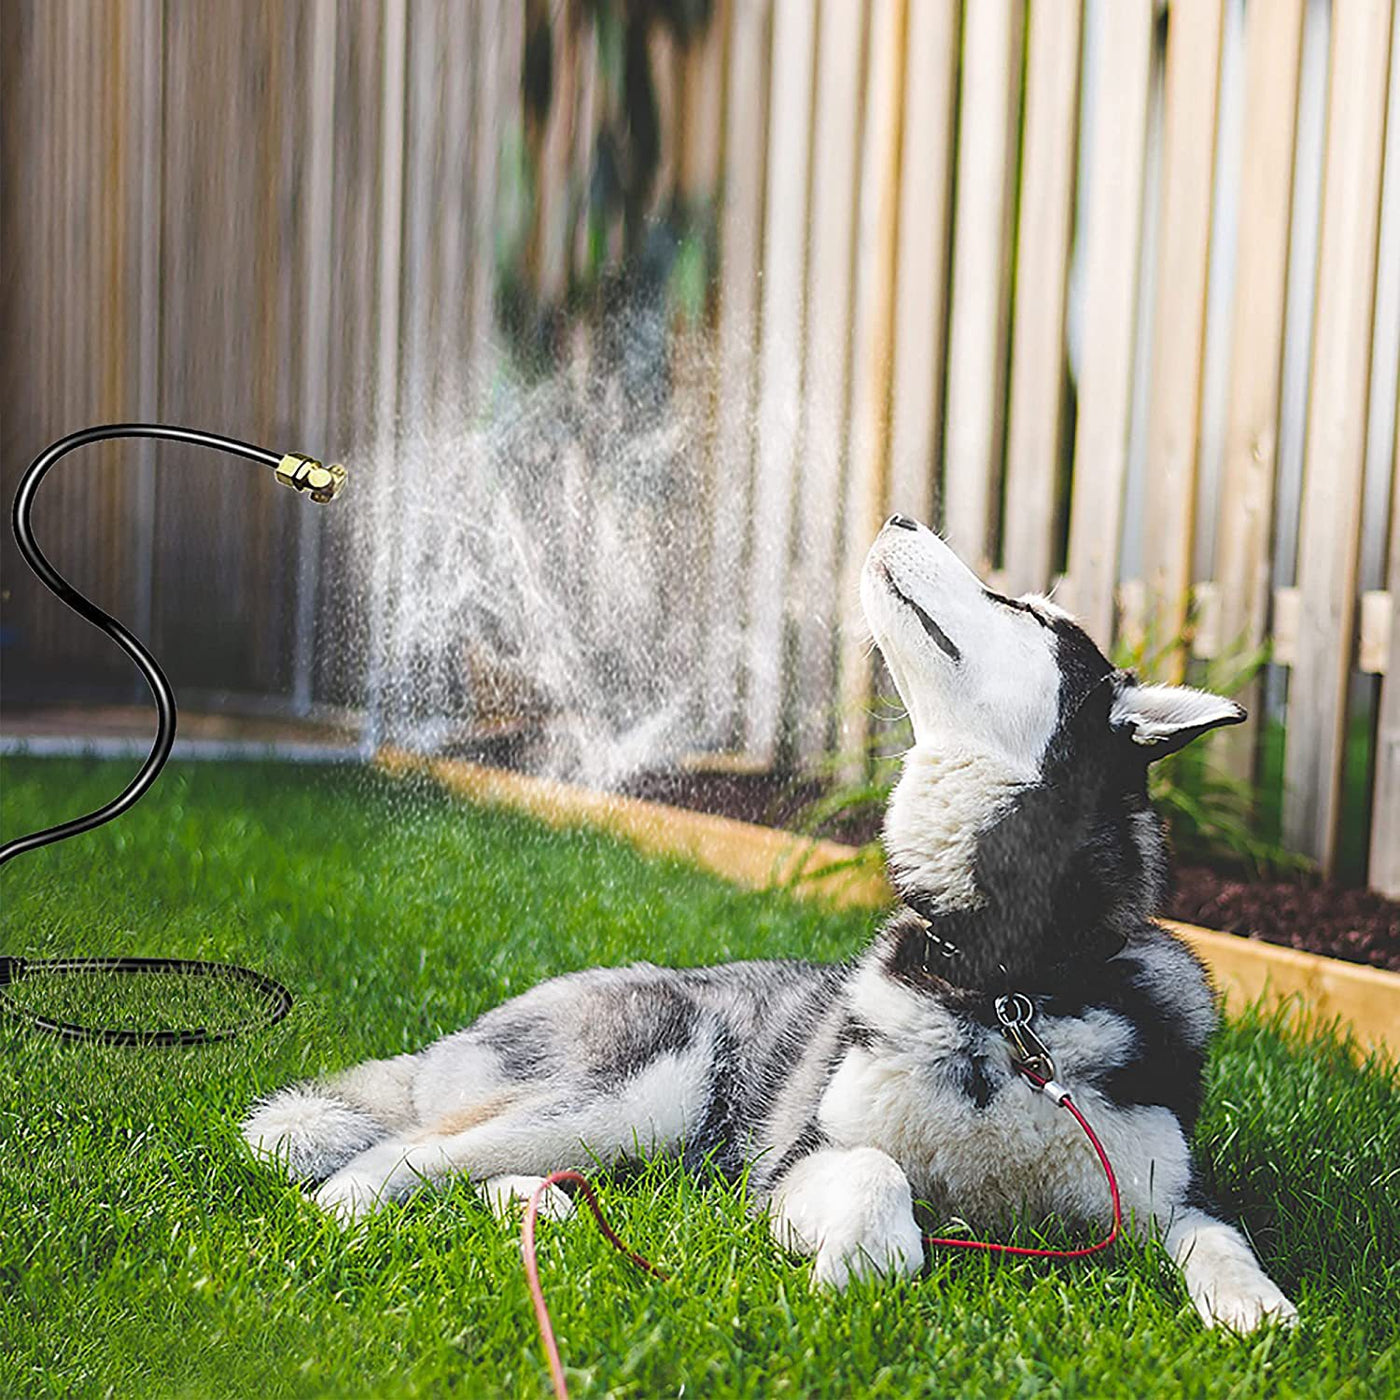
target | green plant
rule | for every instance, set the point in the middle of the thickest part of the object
(1211, 815)
(852, 810)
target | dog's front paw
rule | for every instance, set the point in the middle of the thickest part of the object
(1245, 1303)
(892, 1254)
(852, 1210)
(1225, 1281)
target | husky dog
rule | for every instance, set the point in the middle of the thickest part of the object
(1026, 859)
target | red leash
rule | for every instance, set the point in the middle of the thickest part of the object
(1061, 1096)
(532, 1269)
(532, 1209)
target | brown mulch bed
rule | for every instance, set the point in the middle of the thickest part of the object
(1355, 925)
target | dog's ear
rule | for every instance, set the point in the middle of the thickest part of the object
(1165, 718)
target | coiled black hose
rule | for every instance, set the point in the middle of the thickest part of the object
(294, 471)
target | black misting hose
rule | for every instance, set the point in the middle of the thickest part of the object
(303, 474)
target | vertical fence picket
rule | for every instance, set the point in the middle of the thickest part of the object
(384, 545)
(427, 216)
(835, 176)
(1273, 41)
(549, 236)
(921, 267)
(62, 242)
(699, 152)
(1042, 268)
(225, 538)
(104, 368)
(76, 232)
(703, 101)
(496, 55)
(71, 228)
(1305, 228)
(449, 250)
(780, 368)
(313, 411)
(423, 216)
(741, 231)
(1331, 504)
(105, 358)
(348, 545)
(872, 351)
(592, 113)
(1178, 321)
(981, 274)
(1384, 867)
(1113, 207)
(141, 217)
(24, 66)
(278, 338)
(663, 57)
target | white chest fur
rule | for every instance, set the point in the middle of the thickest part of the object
(945, 798)
(940, 1095)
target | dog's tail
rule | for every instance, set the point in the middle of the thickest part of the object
(311, 1130)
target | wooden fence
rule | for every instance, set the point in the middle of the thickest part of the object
(1111, 291)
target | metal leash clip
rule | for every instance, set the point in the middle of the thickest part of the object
(1015, 1011)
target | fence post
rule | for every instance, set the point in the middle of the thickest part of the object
(921, 271)
(1042, 269)
(1384, 868)
(1178, 322)
(872, 347)
(1116, 92)
(981, 274)
(1331, 503)
(314, 414)
(826, 387)
(384, 542)
(1273, 42)
(741, 232)
(780, 368)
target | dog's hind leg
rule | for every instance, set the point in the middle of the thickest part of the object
(531, 1136)
(312, 1130)
(530, 1130)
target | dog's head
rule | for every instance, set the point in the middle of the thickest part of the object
(1030, 749)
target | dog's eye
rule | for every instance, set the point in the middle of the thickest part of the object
(941, 639)
(944, 641)
(1016, 604)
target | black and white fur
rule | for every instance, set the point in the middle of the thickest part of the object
(1027, 858)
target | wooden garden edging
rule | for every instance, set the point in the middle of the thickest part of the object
(1366, 999)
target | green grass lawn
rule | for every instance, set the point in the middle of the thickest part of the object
(143, 1253)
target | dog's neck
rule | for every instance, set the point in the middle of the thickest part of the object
(1023, 878)
(946, 797)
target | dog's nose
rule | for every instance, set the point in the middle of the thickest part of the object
(902, 522)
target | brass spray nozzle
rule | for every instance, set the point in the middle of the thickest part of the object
(306, 474)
